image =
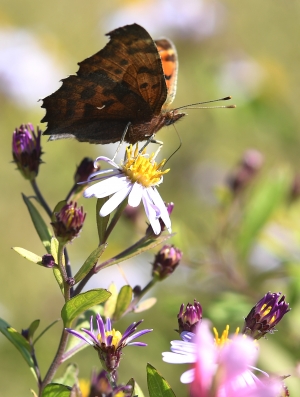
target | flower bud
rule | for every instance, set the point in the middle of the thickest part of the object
(85, 169)
(48, 260)
(264, 316)
(189, 318)
(68, 222)
(166, 261)
(248, 167)
(26, 150)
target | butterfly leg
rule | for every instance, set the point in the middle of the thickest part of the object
(152, 140)
(122, 140)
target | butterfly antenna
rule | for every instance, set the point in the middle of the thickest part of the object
(180, 144)
(121, 140)
(209, 107)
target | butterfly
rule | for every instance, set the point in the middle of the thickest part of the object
(130, 83)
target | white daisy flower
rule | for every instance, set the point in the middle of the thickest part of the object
(136, 178)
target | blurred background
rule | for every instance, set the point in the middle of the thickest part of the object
(240, 237)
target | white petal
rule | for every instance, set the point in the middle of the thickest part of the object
(107, 160)
(115, 200)
(158, 201)
(106, 187)
(174, 358)
(135, 195)
(151, 212)
(188, 376)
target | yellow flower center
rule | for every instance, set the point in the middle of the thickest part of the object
(221, 340)
(85, 387)
(141, 169)
(116, 336)
(265, 310)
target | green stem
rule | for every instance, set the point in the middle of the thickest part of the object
(64, 274)
(40, 197)
(107, 263)
(56, 362)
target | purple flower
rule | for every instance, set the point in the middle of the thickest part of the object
(136, 178)
(108, 342)
(26, 150)
(166, 261)
(265, 315)
(69, 222)
(190, 318)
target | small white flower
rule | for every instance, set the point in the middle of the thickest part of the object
(136, 178)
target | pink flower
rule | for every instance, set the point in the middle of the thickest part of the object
(222, 367)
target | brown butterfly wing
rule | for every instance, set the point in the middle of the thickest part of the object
(168, 55)
(123, 82)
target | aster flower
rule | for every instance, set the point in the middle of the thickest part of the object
(26, 150)
(136, 178)
(190, 318)
(68, 222)
(221, 367)
(108, 342)
(166, 261)
(265, 315)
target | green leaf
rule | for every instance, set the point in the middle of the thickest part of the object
(29, 255)
(268, 197)
(89, 263)
(136, 390)
(19, 342)
(54, 245)
(123, 301)
(110, 305)
(101, 221)
(70, 377)
(33, 327)
(157, 385)
(56, 390)
(57, 274)
(77, 305)
(145, 305)
(39, 224)
(141, 246)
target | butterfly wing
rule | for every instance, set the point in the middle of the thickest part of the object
(168, 55)
(123, 82)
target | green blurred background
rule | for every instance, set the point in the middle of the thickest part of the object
(249, 50)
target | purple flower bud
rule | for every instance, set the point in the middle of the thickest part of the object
(245, 171)
(166, 261)
(26, 150)
(189, 318)
(85, 169)
(264, 316)
(68, 223)
(48, 260)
